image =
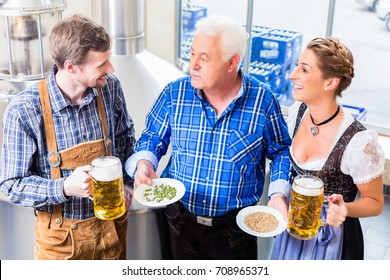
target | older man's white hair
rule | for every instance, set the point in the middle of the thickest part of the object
(233, 36)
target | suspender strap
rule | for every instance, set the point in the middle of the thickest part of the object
(103, 120)
(53, 155)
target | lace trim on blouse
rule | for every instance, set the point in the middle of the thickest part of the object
(363, 158)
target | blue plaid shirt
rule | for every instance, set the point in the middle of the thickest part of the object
(220, 159)
(25, 172)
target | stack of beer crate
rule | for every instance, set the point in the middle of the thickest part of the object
(190, 16)
(274, 52)
(186, 41)
(268, 73)
(277, 49)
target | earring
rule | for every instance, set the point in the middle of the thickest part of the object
(326, 89)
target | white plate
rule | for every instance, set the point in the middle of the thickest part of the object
(139, 192)
(258, 208)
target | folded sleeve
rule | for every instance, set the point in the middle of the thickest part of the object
(364, 158)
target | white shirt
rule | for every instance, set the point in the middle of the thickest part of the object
(363, 158)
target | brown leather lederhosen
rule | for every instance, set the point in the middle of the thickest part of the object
(62, 238)
(335, 181)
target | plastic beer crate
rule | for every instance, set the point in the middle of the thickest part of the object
(266, 72)
(358, 113)
(191, 15)
(277, 46)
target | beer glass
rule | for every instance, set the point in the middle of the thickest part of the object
(304, 214)
(107, 188)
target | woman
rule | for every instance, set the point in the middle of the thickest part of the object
(330, 144)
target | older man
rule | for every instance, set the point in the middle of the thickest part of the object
(222, 125)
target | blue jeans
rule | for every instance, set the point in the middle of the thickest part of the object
(193, 241)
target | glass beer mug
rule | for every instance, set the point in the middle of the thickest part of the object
(107, 188)
(304, 213)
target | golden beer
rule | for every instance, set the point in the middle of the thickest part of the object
(307, 197)
(107, 188)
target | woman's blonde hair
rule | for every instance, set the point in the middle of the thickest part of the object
(334, 60)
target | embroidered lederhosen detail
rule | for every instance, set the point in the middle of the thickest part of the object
(80, 154)
(334, 180)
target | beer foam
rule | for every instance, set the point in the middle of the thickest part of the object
(106, 169)
(308, 186)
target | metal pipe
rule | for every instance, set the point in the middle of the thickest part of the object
(249, 19)
(41, 47)
(124, 21)
(179, 29)
(11, 70)
(329, 26)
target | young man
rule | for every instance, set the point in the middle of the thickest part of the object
(53, 130)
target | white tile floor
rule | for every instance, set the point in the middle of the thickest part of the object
(376, 231)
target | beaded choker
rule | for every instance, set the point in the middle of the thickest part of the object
(314, 128)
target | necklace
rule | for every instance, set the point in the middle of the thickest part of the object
(314, 128)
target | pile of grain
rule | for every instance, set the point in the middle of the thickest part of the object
(261, 222)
